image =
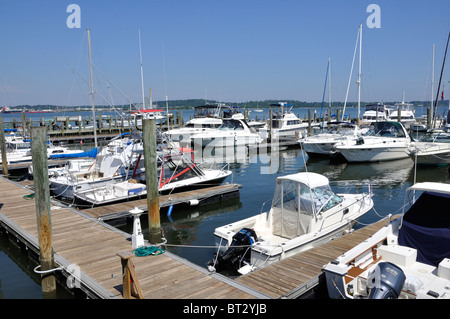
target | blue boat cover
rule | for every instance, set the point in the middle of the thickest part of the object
(426, 227)
(92, 153)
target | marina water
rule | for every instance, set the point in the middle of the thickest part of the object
(189, 232)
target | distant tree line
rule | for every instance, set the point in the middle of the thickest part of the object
(190, 103)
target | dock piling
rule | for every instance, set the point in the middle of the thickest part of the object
(3, 149)
(42, 197)
(151, 177)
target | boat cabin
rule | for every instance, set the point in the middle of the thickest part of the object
(299, 198)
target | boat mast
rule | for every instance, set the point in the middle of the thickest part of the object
(440, 79)
(142, 72)
(432, 83)
(92, 88)
(359, 73)
(329, 83)
(350, 76)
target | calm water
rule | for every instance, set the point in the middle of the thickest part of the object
(190, 231)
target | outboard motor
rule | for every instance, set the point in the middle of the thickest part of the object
(239, 251)
(386, 281)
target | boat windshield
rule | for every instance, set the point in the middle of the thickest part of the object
(298, 197)
(440, 137)
(207, 111)
(19, 146)
(229, 125)
(385, 129)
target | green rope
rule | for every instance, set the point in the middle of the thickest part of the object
(28, 197)
(147, 251)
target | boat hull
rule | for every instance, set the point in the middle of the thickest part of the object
(371, 153)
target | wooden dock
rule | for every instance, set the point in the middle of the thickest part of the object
(294, 276)
(92, 245)
(203, 195)
(87, 243)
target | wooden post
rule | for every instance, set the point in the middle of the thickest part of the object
(131, 286)
(309, 122)
(151, 176)
(3, 148)
(42, 197)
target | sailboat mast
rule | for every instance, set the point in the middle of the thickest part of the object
(142, 72)
(329, 83)
(440, 79)
(432, 83)
(359, 73)
(92, 87)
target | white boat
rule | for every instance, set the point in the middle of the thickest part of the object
(433, 148)
(323, 144)
(206, 118)
(407, 259)
(18, 150)
(384, 141)
(378, 112)
(406, 113)
(305, 213)
(112, 192)
(284, 125)
(232, 132)
(105, 169)
(177, 172)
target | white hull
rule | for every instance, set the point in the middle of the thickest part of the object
(373, 153)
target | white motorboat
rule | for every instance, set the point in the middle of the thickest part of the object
(376, 113)
(112, 192)
(407, 259)
(105, 169)
(403, 112)
(433, 148)
(177, 172)
(284, 125)
(305, 213)
(384, 141)
(232, 132)
(206, 118)
(323, 144)
(18, 150)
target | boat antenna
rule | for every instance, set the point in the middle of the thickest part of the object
(439, 85)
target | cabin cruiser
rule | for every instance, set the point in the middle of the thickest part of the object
(433, 148)
(407, 259)
(284, 125)
(206, 118)
(376, 113)
(383, 142)
(232, 132)
(305, 213)
(406, 113)
(323, 144)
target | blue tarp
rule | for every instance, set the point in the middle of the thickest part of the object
(92, 153)
(426, 227)
(432, 244)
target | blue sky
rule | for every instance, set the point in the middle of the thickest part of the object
(234, 50)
